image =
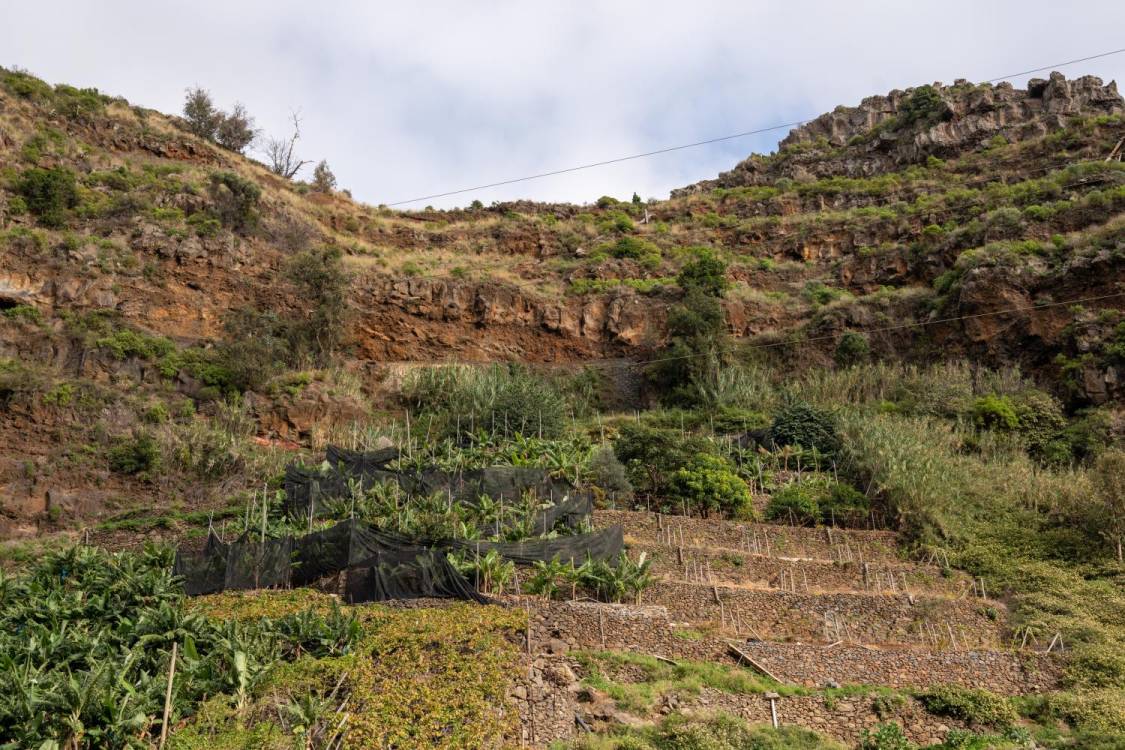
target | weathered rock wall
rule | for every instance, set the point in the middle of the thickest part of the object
(778, 541)
(856, 617)
(739, 567)
(559, 627)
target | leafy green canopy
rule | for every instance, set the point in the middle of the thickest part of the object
(85, 644)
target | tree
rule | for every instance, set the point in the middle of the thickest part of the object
(236, 130)
(698, 345)
(323, 180)
(202, 117)
(321, 283)
(279, 152)
(1109, 481)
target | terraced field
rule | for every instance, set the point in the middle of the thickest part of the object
(774, 610)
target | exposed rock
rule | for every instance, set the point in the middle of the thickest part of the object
(970, 115)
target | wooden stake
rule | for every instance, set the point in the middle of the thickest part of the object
(168, 697)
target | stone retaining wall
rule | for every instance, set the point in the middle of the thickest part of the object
(771, 539)
(843, 719)
(559, 627)
(1005, 672)
(803, 575)
(856, 617)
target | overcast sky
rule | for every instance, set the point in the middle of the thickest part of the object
(409, 99)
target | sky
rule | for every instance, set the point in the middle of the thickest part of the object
(410, 99)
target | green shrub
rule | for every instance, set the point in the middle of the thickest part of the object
(78, 103)
(124, 343)
(924, 105)
(995, 413)
(49, 193)
(608, 474)
(820, 294)
(235, 201)
(887, 736)
(634, 248)
(979, 708)
(706, 272)
(852, 349)
(708, 483)
(28, 313)
(797, 503)
(844, 503)
(801, 424)
(139, 455)
(653, 454)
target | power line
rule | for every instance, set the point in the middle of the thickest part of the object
(899, 327)
(706, 142)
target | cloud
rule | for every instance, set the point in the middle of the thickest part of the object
(410, 99)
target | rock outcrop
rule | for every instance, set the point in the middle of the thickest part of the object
(877, 136)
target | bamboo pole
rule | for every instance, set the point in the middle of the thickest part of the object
(168, 697)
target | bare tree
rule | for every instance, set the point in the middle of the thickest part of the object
(279, 152)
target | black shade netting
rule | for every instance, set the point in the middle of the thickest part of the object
(259, 565)
(605, 544)
(425, 573)
(360, 462)
(311, 492)
(325, 553)
(205, 571)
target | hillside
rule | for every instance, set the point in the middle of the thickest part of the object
(855, 406)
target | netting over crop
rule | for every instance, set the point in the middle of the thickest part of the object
(309, 493)
(377, 565)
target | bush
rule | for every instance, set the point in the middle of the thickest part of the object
(139, 455)
(852, 349)
(924, 105)
(324, 181)
(633, 248)
(608, 474)
(236, 129)
(706, 273)
(235, 201)
(887, 736)
(652, 454)
(798, 502)
(709, 483)
(979, 708)
(800, 424)
(49, 194)
(255, 348)
(844, 504)
(995, 413)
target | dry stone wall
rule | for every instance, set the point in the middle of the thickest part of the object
(769, 539)
(857, 617)
(797, 574)
(560, 627)
(1006, 672)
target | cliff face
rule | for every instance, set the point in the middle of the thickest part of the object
(923, 205)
